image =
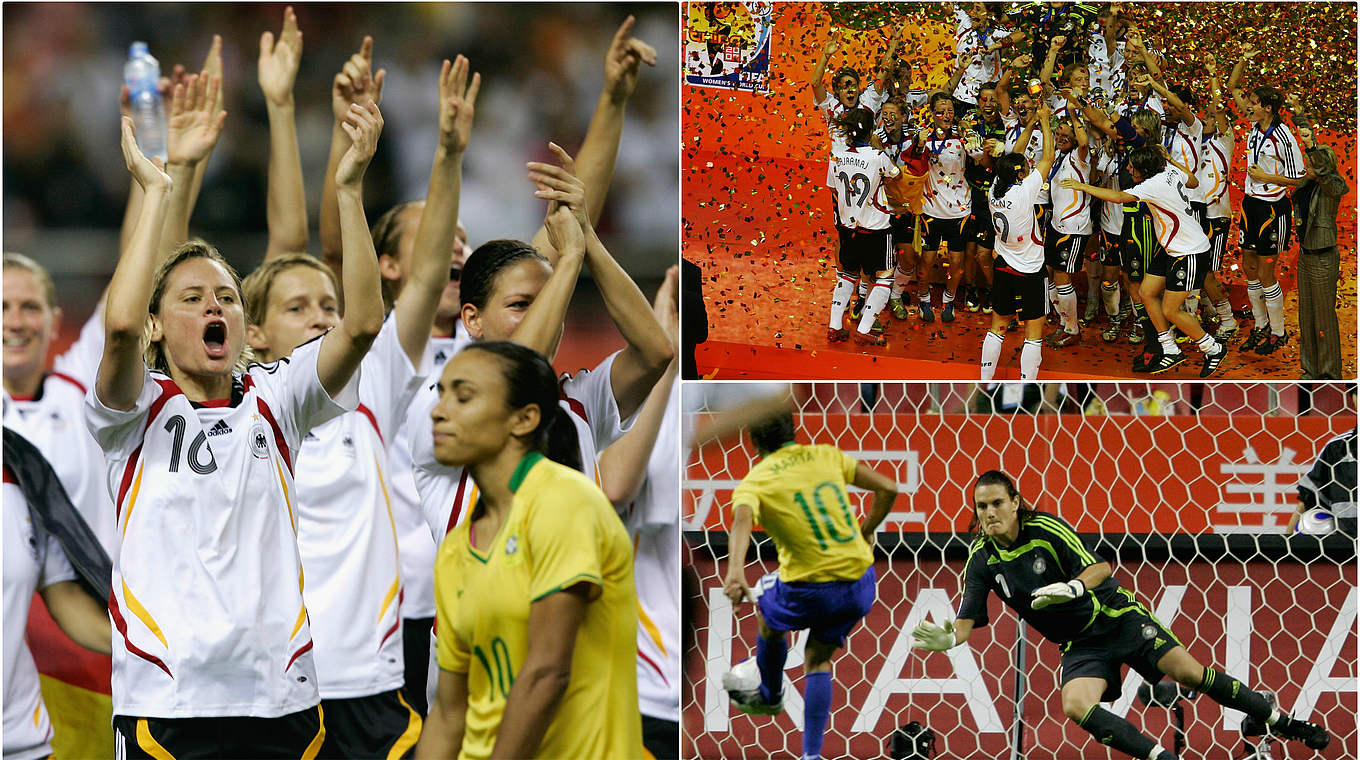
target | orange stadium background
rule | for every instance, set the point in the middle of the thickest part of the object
(757, 219)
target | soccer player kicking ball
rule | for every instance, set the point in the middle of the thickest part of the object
(826, 575)
(1041, 569)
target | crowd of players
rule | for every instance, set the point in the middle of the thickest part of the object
(1059, 147)
(254, 474)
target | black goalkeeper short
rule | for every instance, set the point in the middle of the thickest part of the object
(1130, 636)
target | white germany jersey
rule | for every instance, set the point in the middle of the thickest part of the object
(207, 598)
(832, 109)
(1017, 236)
(448, 493)
(1276, 151)
(1183, 144)
(1032, 152)
(947, 195)
(53, 421)
(30, 565)
(653, 521)
(1176, 228)
(1107, 175)
(347, 532)
(1217, 150)
(414, 543)
(1071, 208)
(982, 67)
(857, 173)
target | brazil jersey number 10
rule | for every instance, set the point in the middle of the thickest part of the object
(826, 524)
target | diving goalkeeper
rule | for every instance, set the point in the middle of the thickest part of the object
(1039, 567)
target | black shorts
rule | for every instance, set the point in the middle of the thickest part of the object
(291, 736)
(1136, 639)
(1197, 212)
(381, 725)
(983, 232)
(1186, 273)
(1063, 251)
(867, 251)
(1139, 243)
(661, 737)
(1017, 293)
(951, 232)
(1217, 230)
(903, 228)
(1265, 225)
(1111, 243)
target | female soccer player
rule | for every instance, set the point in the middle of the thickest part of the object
(536, 609)
(1274, 164)
(863, 224)
(35, 562)
(825, 580)
(1018, 282)
(1043, 571)
(1182, 259)
(211, 624)
(346, 531)
(1217, 145)
(894, 138)
(947, 206)
(1069, 225)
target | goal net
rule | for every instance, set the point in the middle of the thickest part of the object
(1187, 490)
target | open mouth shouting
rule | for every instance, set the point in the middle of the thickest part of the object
(215, 339)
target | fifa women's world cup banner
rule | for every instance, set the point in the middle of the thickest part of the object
(727, 45)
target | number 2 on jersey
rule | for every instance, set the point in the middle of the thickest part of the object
(856, 188)
(827, 525)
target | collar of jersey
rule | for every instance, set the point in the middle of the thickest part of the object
(516, 480)
(238, 392)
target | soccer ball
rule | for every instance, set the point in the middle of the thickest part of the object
(1316, 522)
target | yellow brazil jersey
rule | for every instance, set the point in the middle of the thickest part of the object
(798, 495)
(560, 531)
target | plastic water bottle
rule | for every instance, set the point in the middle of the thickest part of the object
(142, 72)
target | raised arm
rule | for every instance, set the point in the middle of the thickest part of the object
(623, 464)
(439, 222)
(640, 365)
(343, 348)
(285, 199)
(595, 159)
(1103, 193)
(195, 123)
(1054, 47)
(819, 71)
(541, 328)
(1137, 47)
(1045, 161)
(885, 493)
(885, 66)
(354, 85)
(1003, 85)
(121, 368)
(1166, 94)
(1222, 123)
(1249, 51)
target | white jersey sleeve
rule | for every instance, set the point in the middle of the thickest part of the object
(872, 98)
(444, 490)
(1277, 152)
(81, 360)
(389, 381)
(591, 394)
(1214, 175)
(304, 400)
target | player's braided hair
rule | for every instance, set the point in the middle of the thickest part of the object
(1007, 173)
(998, 478)
(489, 260)
(530, 380)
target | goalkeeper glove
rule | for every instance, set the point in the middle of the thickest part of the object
(932, 637)
(1057, 593)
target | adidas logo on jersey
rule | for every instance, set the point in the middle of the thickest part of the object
(440, 357)
(310, 437)
(221, 428)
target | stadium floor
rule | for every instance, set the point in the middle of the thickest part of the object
(769, 269)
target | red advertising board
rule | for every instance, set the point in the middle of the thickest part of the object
(1179, 474)
(1286, 627)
